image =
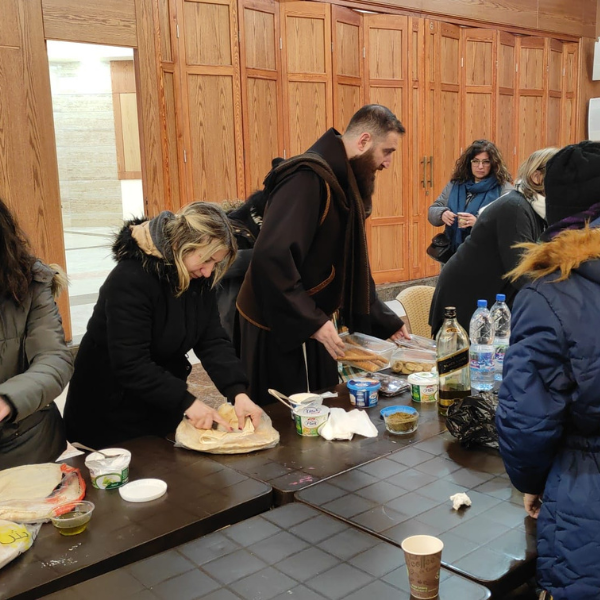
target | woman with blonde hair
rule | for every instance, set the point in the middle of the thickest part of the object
(477, 269)
(156, 305)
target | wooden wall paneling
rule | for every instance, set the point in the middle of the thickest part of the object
(478, 79)
(262, 106)
(387, 83)
(567, 17)
(569, 91)
(28, 164)
(555, 109)
(212, 114)
(174, 200)
(306, 73)
(347, 64)
(150, 108)
(531, 95)
(110, 22)
(506, 85)
(587, 88)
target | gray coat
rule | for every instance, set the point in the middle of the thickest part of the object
(35, 366)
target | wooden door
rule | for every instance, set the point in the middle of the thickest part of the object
(532, 83)
(569, 120)
(261, 88)
(506, 85)
(442, 120)
(348, 61)
(306, 73)
(386, 75)
(554, 111)
(209, 54)
(478, 79)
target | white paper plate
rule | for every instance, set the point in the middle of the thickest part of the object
(143, 490)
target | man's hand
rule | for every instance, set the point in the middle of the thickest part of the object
(401, 333)
(244, 407)
(532, 503)
(202, 416)
(328, 336)
(466, 220)
(4, 409)
(448, 217)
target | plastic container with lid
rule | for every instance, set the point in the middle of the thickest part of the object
(400, 420)
(364, 393)
(424, 387)
(408, 361)
(308, 419)
(417, 342)
(111, 470)
(366, 352)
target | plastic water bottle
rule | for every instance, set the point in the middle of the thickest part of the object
(501, 319)
(481, 353)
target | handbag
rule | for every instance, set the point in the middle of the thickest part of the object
(440, 248)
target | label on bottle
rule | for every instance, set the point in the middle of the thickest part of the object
(454, 362)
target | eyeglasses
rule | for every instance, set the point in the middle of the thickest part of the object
(483, 163)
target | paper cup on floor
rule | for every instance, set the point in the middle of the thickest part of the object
(423, 554)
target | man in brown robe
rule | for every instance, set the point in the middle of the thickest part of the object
(311, 260)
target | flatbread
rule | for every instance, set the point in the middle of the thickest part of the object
(221, 441)
(22, 497)
(29, 481)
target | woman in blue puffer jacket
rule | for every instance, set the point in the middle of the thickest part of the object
(548, 417)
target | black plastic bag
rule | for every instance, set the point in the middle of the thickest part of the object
(472, 420)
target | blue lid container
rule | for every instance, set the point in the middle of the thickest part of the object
(400, 420)
(364, 392)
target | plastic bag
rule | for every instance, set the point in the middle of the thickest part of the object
(15, 538)
(472, 420)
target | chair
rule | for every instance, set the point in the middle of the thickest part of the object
(416, 301)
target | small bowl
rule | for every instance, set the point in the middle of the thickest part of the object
(71, 519)
(400, 420)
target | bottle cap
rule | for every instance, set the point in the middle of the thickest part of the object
(481, 303)
(500, 297)
(449, 312)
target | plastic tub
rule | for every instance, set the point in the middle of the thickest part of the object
(400, 420)
(366, 352)
(304, 399)
(308, 419)
(424, 387)
(109, 473)
(409, 361)
(364, 393)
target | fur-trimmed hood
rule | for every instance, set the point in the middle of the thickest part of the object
(51, 273)
(566, 252)
(126, 248)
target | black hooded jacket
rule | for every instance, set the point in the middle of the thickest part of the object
(131, 367)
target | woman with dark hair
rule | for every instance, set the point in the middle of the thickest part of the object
(478, 268)
(548, 415)
(156, 305)
(480, 177)
(35, 363)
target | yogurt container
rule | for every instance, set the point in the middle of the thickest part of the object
(304, 399)
(424, 387)
(364, 393)
(110, 472)
(308, 419)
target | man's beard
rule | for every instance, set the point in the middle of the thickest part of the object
(363, 167)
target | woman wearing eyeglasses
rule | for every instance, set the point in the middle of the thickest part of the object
(478, 268)
(480, 177)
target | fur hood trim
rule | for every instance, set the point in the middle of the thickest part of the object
(53, 274)
(126, 248)
(565, 252)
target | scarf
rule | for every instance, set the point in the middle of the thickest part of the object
(356, 303)
(484, 192)
(150, 236)
(538, 203)
(576, 221)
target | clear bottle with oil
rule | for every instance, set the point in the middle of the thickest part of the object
(452, 362)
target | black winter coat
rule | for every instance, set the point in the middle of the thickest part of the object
(477, 269)
(131, 368)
